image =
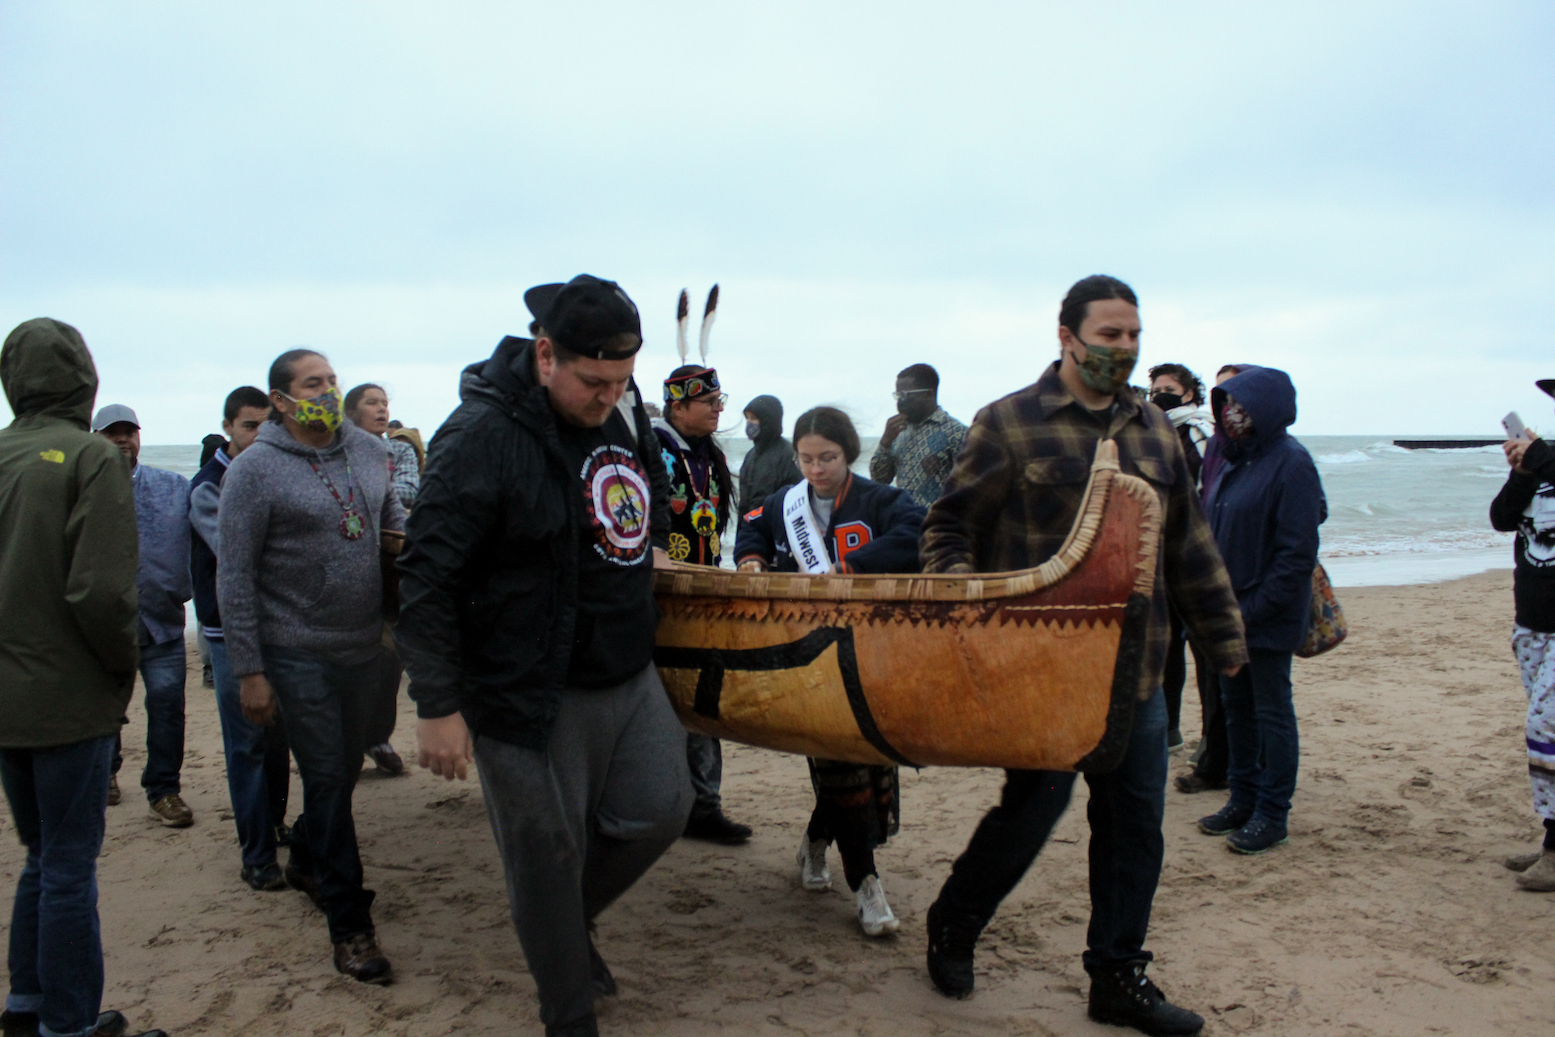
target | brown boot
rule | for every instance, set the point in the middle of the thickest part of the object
(113, 790)
(359, 957)
(1541, 877)
(172, 811)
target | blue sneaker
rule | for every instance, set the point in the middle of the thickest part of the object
(1257, 836)
(1225, 820)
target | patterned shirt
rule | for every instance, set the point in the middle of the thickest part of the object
(921, 457)
(1017, 487)
(404, 471)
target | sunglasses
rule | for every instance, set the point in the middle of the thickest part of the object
(900, 393)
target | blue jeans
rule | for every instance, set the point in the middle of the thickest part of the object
(163, 671)
(59, 798)
(324, 698)
(1261, 734)
(258, 766)
(1125, 812)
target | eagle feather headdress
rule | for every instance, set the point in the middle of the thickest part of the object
(683, 323)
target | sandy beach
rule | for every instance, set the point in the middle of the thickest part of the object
(1388, 912)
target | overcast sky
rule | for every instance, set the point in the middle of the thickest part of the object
(1357, 192)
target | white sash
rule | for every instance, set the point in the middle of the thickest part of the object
(805, 537)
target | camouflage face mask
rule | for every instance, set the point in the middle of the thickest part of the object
(1105, 369)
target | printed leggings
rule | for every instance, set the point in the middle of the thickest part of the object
(1535, 654)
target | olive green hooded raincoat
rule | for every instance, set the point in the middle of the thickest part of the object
(68, 549)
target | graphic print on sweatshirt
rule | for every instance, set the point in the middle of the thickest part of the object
(617, 494)
(1537, 529)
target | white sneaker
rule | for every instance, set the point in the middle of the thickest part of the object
(813, 873)
(875, 916)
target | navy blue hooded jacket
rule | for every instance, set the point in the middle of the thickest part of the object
(874, 529)
(1265, 509)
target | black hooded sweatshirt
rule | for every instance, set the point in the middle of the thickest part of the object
(490, 578)
(770, 465)
(1526, 505)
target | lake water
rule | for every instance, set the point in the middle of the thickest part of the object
(1394, 516)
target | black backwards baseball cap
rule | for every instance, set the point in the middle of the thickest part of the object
(587, 316)
(1547, 384)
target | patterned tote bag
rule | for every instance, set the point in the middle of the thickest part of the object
(1326, 626)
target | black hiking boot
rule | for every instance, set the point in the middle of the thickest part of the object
(951, 942)
(1124, 996)
(716, 828)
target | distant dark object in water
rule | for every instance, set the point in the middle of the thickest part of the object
(1445, 444)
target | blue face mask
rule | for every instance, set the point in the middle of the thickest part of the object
(752, 429)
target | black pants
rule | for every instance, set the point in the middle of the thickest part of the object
(858, 807)
(705, 758)
(383, 710)
(1217, 754)
(1125, 811)
(1175, 676)
(322, 695)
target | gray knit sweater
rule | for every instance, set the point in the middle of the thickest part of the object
(285, 575)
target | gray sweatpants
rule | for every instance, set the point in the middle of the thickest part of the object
(578, 823)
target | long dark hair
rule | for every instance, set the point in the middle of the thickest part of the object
(1088, 290)
(829, 423)
(283, 372)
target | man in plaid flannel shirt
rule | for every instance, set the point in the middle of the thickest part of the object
(1008, 504)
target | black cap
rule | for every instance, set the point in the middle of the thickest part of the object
(1547, 384)
(587, 316)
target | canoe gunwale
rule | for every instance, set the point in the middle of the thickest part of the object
(682, 580)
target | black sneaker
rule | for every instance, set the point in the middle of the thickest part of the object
(588, 1026)
(386, 759)
(1189, 783)
(1126, 997)
(19, 1024)
(25, 1024)
(1225, 820)
(1257, 836)
(283, 834)
(111, 1024)
(266, 877)
(951, 942)
(716, 828)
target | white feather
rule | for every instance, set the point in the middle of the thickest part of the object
(682, 324)
(709, 315)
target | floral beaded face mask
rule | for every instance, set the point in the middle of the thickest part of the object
(322, 413)
(1235, 419)
(1105, 369)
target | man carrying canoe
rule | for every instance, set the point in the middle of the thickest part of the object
(1008, 504)
(528, 628)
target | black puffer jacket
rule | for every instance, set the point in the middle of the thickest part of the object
(489, 577)
(770, 465)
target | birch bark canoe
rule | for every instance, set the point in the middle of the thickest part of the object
(1035, 669)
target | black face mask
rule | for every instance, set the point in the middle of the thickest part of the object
(1166, 400)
